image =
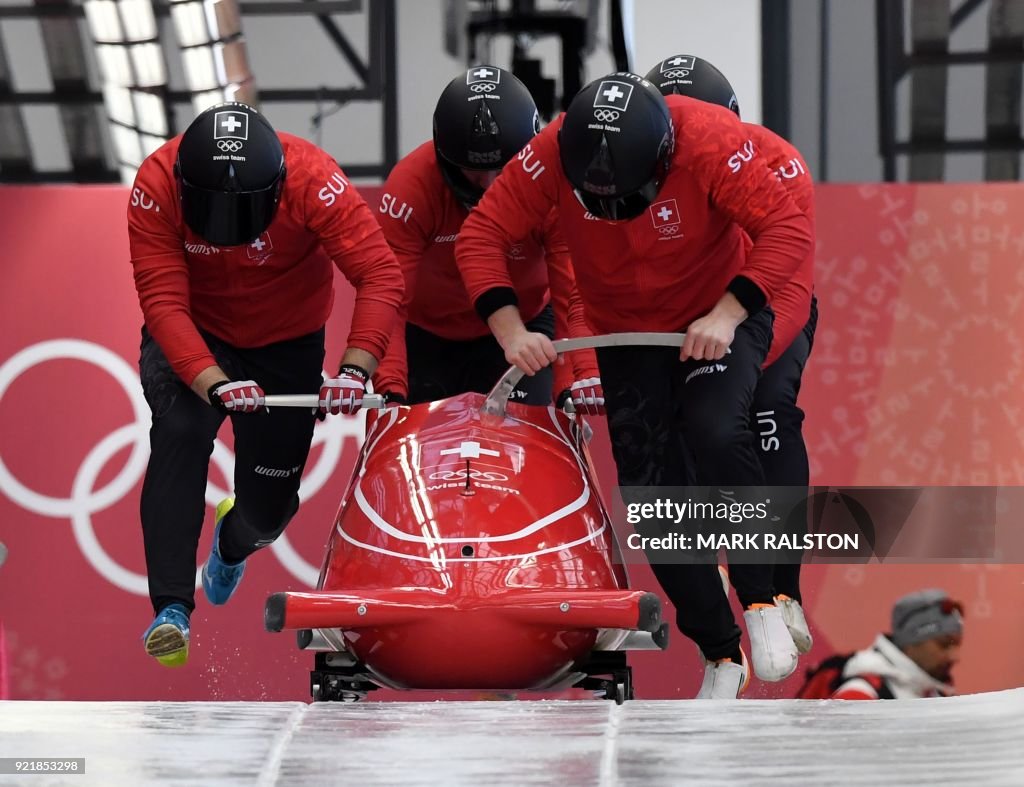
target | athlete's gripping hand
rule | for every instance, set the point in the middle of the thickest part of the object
(709, 338)
(343, 395)
(530, 351)
(237, 396)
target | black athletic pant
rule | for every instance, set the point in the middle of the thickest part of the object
(439, 368)
(778, 422)
(270, 454)
(658, 409)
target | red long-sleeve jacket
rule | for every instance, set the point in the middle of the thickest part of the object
(791, 304)
(670, 265)
(276, 288)
(421, 219)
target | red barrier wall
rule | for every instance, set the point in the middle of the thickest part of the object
(914, 379)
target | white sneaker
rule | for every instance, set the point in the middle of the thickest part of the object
(772, 649)
(793, 614)
(724, 679)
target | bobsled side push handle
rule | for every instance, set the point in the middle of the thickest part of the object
(499, 395)
(312, 401)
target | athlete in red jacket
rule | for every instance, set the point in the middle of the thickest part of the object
(775, 415)
(441, 347)
(233, 229)
(657, 199)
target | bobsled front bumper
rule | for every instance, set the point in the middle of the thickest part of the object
(632, 610)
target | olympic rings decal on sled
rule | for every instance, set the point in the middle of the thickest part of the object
(85, 500)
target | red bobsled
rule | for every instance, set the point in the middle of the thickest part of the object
(471, 551)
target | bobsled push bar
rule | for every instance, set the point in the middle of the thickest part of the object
(499, 395)
(312, 401)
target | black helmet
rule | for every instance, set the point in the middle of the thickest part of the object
(230, 171)
(690, 76)
(615, 145)
(482, 119)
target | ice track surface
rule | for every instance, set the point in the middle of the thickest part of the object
(972, 740)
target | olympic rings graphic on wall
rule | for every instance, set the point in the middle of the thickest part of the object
(85, 500)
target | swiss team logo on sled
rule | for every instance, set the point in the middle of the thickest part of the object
(490, 456)
(666, 219)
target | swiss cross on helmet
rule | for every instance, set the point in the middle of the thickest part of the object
(615, 145)
(687, 75)
(230, 171)
(483, 118)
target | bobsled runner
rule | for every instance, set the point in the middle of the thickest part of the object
(472, 551)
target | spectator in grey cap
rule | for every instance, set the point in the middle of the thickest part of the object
(916, 659)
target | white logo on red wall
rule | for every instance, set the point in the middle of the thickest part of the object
(259, 250)
(93, 490)
(666, 218)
